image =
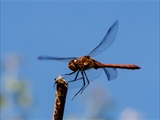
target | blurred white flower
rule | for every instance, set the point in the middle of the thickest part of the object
(131, 114)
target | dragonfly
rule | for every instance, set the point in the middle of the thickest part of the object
(80, 65)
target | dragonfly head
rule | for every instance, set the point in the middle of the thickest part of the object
(73, 65)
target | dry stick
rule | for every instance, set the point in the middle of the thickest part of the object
(62, 87)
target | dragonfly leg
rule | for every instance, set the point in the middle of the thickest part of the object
(82, 87)
(80, 78)
(87, 82)
(75, 77)
(69, 73)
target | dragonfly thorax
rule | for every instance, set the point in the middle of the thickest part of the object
(82, 63)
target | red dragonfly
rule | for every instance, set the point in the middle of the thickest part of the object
(80, 65)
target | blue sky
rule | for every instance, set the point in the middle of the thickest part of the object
(74, 28)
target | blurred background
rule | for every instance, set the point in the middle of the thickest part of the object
(74, 28)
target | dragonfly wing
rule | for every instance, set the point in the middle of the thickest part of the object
(111, 73)
(56, 58)
(93, 74)
(106, 41)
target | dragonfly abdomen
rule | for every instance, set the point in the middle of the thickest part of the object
(121, 66)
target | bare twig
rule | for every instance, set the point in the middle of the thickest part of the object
(62, 87)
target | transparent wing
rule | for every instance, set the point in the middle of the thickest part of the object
(111, 73)
(56, 58)
(106, 41)
(92, 74)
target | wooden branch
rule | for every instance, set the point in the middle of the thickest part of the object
(62, 87)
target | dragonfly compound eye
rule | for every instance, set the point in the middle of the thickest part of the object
(72, 65)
